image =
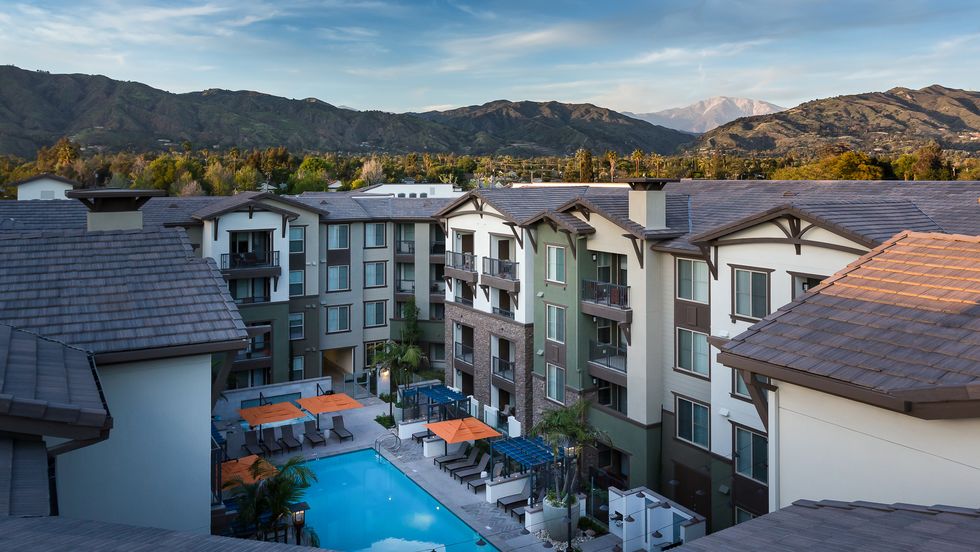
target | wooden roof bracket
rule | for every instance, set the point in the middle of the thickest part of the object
(706, 253)
(477, 205)
(449, 282)
(627, 329)
(251, 211)
(757, 392)
(530, 238)
(486, 291)
(585, 212)
(285, 225)
(637, 248)
(517, 235)
(513, 297)
(216, 219)
(571, 243)
(275, 283)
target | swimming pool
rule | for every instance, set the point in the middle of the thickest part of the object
(362, 502)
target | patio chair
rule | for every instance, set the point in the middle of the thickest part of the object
(269, 440)
(288, 440)
(474, 472)
(478, 483)
(339, 429)
(454, 457)
(313, 434)
(452, 469)
(466, 462)
(417, 437)
(508, 503)
(521, 510)
(252, 443)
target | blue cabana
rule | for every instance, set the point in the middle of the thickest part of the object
(529, 453)
(451, 404)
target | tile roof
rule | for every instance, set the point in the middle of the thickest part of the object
(23, 479)
(902, 322)
(57, 534)
(355, 206)
(50, 176)
(42, 379)
(115, 291)
(221, 205)
(834, 525)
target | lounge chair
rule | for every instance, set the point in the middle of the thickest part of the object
(339, 429)
(453, 469)
(521, 510)
(473, 472)
(467, 462)
(481, 483)
(269, 440)
(508, 503)
(454, 457)
(252, 443)
(313, 434)
(288, 440)
(417, 437)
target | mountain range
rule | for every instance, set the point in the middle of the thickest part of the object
(37, 108)
(707, 114)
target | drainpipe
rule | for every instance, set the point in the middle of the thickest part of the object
(774, 450)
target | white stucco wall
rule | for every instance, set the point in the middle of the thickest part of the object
(432, 189)
(154, 470)
(828, 447)
(35, 189)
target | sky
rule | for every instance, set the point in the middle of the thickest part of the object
(637, 56)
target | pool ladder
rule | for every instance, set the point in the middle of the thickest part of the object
(395, 442)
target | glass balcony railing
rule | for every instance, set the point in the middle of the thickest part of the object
(500, 268)
(405, 247)
(461, 261)
(468, 301)
(604, 293)
(503, 312)
(608, 355)
(503, 368)
(249, 259)
(255, 350)
(405, 286)
(437, 248)
(463, 353)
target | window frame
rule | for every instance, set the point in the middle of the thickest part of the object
(370, 346)
(302, 240)
(292, 367)
(547, 323)
(301, 283)
(548, 380)
(329, 289)
(677, 353)
(735, 269)
(677, 280)
(384, 235)
(302, 325)
(677, 421)
(384, 274)
(338, 307)
(384, 313)
(329, 246)
(736, 455)
(564, 264)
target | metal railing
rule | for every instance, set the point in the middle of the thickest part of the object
(503, 312)
(251, 299)
(405, 286)
(405, 247)
(255, 351)
(608, 355)
(503, 368)
(249, 259)
(500, 268)
(461, 261)
(463, 352)
(464, 300)
(437, 248)
(437, 287)
(603, 293)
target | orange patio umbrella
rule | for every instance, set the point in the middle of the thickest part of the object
(238, 468)
(269, 413)
(463, 429)
(322, 404)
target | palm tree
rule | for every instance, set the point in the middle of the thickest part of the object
(272, 493)
(564, 428)
(399, 359)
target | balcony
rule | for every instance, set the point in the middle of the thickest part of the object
(463, 353)
(500, 274)
(605, 300)
(254, 356)
(252, 299)
(437, 249)
(608, 355)
(405, 287)
(503, 312)
(461, 266)
(405, 250)
(503, 368)
(251, 264)
(468, 301)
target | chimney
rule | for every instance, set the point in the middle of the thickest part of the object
(114, 208)
(648, 201)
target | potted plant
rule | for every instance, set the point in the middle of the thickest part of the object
(566, 429)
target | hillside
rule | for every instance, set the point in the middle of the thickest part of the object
(707, 114)
(895, 121)
(37, 108)
(552, 128)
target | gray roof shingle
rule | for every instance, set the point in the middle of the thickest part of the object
(355, 206)
(846, 526)
(23, 478)
(115, 291)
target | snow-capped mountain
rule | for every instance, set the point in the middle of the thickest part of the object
(708, 114)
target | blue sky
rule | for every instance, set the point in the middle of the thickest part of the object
(434, 54)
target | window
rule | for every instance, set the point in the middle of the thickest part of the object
(692, 280)
(437, 311)
(803, 283)
(556, 324)
(692, 422)
(296, 368)
(374, 314)
(371, 351)
(739, 387)
(556, 383)
(741, 516)
(556, 264)
(692, 351)
(751, 293)
(250, 290)
(338, 236)
(338, 319)
(611, 395)
(437, 352)
(296, 322)
(374, 234)
(374, 274)
(603, 269)
(296, 283)
(752, 455)
(297, 239)
(338, 277)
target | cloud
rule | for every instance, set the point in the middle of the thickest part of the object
(479, 14)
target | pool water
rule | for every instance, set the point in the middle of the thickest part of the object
(362, 502)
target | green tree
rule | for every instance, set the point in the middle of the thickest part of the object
(566, 428)
(247, 179)
(271, 495)
(220, 179)
(400, 359)
(583, 160)
(930, 163)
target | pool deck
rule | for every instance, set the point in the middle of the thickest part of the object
(502, 530)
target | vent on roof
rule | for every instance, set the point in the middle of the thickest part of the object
(114, 208)
(790, 193)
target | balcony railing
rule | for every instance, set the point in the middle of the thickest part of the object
(463, 352)
(438, 287)
(405, 286)
(503, 312)
(608, 355)
(503, 368)
(461, 261)
(250, 259)
(437, 248)
(468, 301)
(251, 299)
(603, 293)
(500, 268)
(405, 247)
(262, 350)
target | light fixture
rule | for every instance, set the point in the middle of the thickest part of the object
(657, 534)
(665, 506)
(629, 519)
(299, 518)
(639, 494)
(673, 482)
(604, 508)
(481, 542)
